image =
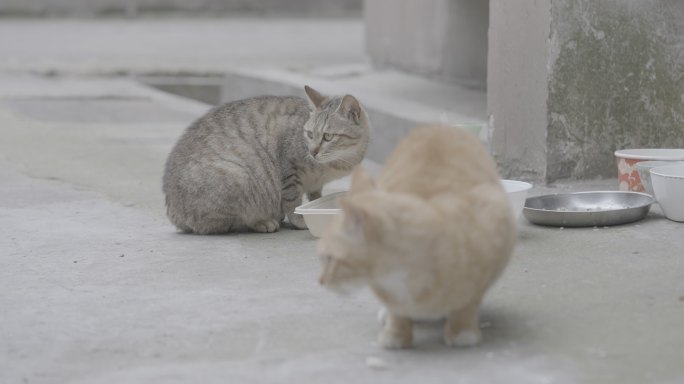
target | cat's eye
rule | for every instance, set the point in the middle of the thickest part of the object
(327, 136)
(309, 134)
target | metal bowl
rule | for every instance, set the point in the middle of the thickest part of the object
(587, 209)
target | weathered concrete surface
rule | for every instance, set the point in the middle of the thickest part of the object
(616, 81)
(571, 81)
(78, 191)
(175, 46)
(132, 8)
(99, 288)
(206, 89)
(444, 39)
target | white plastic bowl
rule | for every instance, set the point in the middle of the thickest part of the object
(668, 185)
(319, 212)
(517, 193)
(644, 169)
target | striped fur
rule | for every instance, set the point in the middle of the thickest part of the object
(245, 165)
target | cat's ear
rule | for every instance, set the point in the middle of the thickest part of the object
(361, 181)
(315, 98)
(350, 109)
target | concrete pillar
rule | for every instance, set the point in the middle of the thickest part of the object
(444, 39)
(571, 81)
(517, 86)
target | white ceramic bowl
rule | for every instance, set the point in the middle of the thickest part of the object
(644, 169)
(319, 212)
(668, 185)
(517, 193)
(627, 159)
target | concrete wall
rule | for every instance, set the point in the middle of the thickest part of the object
(616, 81)
(571, 81)
(444, 39)
(517, 86)
(137, 7)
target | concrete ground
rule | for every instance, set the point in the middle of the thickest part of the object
(97, 286)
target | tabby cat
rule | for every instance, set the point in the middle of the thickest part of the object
(245, 165)
(429, 236)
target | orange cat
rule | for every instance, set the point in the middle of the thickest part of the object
(429, 237)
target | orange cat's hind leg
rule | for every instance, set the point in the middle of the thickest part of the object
(397, 332)
(462, 328)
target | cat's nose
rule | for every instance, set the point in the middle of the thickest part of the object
(314, 151)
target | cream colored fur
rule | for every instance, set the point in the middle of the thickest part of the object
(429, 236)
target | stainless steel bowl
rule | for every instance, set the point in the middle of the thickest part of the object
(587, 209)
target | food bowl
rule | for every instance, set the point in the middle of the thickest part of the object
(319, 212)
(517, 193)
(668, 185)
(587, 209)
(644, 170)
(628, 175)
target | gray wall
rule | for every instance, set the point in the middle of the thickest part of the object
(444, 39)
(616, 81)
(571, 81)
(137, 7)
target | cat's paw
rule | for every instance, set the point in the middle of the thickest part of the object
(296, 220)
(382, 315)
(465, 338)
(391, 340)
(266, 226)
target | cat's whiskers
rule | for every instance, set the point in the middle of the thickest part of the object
(344, 161)
(328, 158)
(322, 157)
